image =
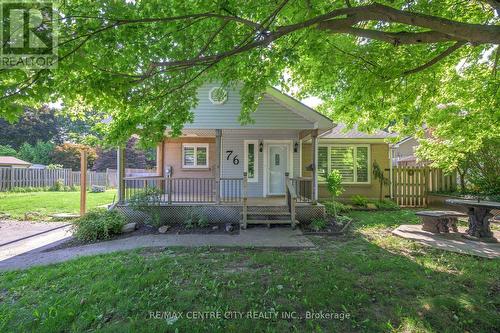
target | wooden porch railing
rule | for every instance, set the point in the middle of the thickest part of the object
(303, 188)
(291, 198)
(185, 190)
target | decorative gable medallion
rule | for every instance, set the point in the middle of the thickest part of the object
(217, 95)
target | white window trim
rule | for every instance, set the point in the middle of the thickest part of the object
(329, 161)
(195, 146)
(255, 179)
(214, 101)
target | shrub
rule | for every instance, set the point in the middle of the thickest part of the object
(386, 205)
(335, 206)
(318, 224)
(7, 151)
(343, 219)
(359, 200)
(378, 173)
(196, 219)
(98, 225)
(334, 184)
(58, 185)
(146, 201)
(203, 221)
(44, 189)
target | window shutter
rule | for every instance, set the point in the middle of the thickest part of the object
(342, 159)
(322, 163)
(362, 164)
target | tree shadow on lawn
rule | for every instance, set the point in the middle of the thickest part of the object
(419, 290)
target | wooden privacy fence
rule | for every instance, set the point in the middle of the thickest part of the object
(412, 184)
(19, 177)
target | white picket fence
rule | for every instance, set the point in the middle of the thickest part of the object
(19, 177)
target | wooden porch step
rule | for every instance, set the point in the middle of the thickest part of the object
(270, 222)
(268, 213)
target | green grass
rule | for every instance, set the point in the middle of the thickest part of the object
(46, 203)
(385, 283)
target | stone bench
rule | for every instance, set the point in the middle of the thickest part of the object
(439, 221)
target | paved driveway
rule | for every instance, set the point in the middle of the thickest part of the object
(17, 238)
(11, 231)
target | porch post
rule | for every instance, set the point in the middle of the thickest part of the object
(120, 167)
(218, 151)
(160, 164)
(314, 152)
(83, 182)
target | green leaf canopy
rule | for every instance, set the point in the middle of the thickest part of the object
(399, 64)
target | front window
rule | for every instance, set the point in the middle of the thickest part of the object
(251, 160)
(195, 155)
(352, 161)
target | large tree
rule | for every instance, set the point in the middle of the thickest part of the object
(401, 63)
(34, 125)
(106, 159)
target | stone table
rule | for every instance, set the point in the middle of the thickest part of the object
(479, 217)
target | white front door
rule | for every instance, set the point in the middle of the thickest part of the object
(277, 166)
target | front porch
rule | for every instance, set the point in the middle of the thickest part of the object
(243, 176)
(221, 200)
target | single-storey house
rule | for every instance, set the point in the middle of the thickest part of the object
(269, 171)
(13, 162)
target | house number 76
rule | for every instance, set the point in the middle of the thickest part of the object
(236, 161)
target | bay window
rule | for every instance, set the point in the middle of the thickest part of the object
(352, 161)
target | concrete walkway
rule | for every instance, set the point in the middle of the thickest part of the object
(253, 237)
(452, 241)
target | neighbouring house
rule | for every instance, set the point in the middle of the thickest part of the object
(13, 162)
(353, 153)
(38, 166)
(404, 152)
(263, 172)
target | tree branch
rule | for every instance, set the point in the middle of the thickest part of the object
(436, 59)
(396, 38)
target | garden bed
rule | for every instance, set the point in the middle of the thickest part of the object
(329, 226)
(146, 229)
(214, 229)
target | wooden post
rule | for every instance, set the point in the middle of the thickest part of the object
(83, 182)
(245, 200)
(218, 152)
(169, 190)
(314, 151)
(287, 178)
(120, 166)
(160, 165)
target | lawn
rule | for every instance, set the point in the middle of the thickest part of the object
(46, 203)
(383, 282)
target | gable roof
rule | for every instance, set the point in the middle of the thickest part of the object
(275, 111)
(10, 160)
(305, 111)
(341, 132)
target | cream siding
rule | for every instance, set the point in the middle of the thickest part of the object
(379, 152)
